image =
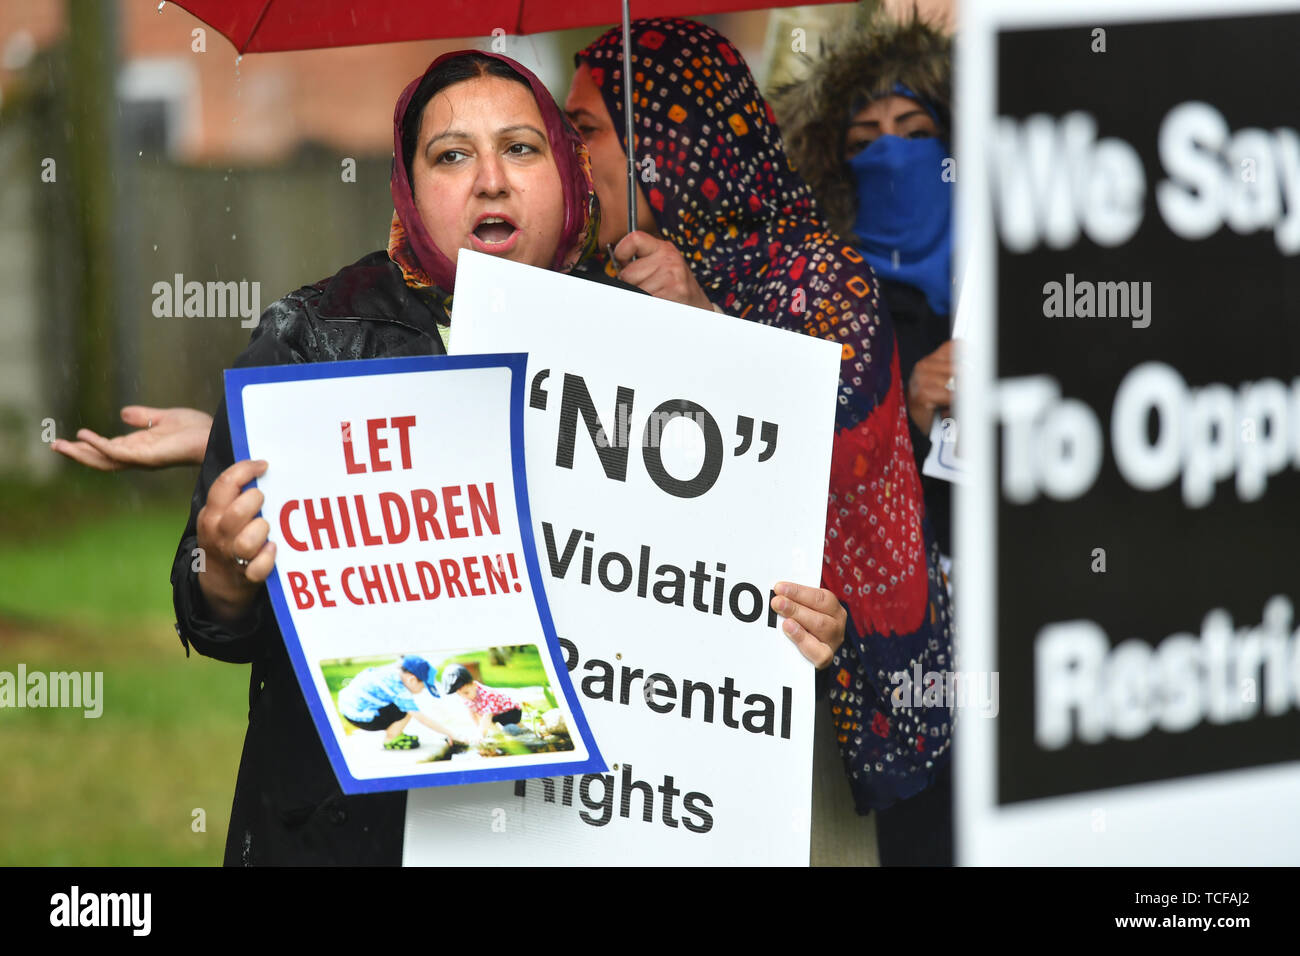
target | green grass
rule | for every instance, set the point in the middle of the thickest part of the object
(524, 669)
(110, 569)
(84, 568)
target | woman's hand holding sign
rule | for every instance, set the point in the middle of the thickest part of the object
(814, 620)
(238, 558)
(930, 386)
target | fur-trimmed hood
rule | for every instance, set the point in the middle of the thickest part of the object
(814, 112)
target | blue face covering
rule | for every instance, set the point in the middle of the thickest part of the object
(905, 214)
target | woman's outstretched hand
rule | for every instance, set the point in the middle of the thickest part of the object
(659, 269)
(164, 437)
(814, 620)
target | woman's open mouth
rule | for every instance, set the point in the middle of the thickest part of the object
(494, 234)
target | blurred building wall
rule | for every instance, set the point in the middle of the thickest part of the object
(279, 226)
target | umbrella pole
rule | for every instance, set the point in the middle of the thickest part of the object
(627, 118)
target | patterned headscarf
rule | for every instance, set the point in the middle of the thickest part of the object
(722, 190)
(423, 264)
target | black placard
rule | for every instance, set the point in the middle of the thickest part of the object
(1222, 309)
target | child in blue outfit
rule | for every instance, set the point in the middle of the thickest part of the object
(384, 698)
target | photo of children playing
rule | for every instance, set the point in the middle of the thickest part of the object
(446, 706)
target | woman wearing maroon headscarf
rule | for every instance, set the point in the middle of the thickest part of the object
(483, 160)
(724, 220)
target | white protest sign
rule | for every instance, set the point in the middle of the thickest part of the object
(678, 463)
(943, 461)
(396, 500)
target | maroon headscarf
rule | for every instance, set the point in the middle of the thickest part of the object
(409, 244)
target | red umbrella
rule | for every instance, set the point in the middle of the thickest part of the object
(272, 26)
(268, 26)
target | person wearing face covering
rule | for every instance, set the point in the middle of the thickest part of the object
(869, 127)
(721, 203)
(508, 176)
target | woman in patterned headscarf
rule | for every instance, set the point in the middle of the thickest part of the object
(726, 219)
(869, 126)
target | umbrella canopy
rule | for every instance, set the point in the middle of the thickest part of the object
(269, 26)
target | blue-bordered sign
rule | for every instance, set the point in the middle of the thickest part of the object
(407, 590)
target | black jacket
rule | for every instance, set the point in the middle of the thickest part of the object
(288, 807)
(920, 331)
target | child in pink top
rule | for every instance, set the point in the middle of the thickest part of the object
(486, 705)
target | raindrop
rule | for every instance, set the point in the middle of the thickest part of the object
(155, 247)
(232, 235)
(141, 153)
(161, 5)
(227, 209)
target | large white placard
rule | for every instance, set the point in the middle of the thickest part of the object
(678, 463)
